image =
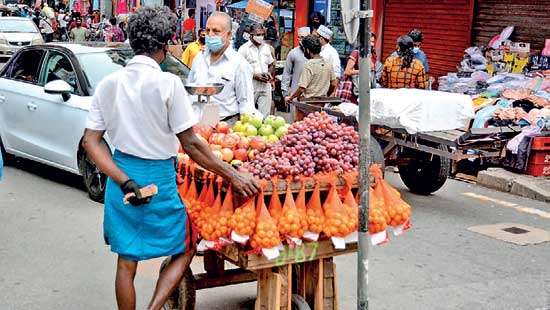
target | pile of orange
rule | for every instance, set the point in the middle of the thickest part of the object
(243, 221)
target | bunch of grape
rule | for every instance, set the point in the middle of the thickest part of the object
(315, 144)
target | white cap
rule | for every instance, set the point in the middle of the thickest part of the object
(324, 32)
(303, 31)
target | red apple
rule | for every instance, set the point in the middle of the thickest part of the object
(217, 154)
(230, 140)
(222, 127)
(244, 143)
(252, 154)
(203, 130)
(227, 155)
(257, 143)
(241, 154)
(215, 147)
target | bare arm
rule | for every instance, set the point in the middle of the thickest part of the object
(202, 155)
(350, 67)
(101, 156)
(296, 94)
(332, 88)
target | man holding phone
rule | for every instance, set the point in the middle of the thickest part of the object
(259, 56)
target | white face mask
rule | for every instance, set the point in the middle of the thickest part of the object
(416, 49)
(246, 36)
(258, 39)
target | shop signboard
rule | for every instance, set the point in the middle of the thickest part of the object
(259, 10)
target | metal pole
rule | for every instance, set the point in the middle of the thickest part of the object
(364, 161)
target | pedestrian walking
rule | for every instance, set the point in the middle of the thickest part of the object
(62, 22)
(220, 63)
(79, 34)
(404, 70)
(317, 78)
(46, 29)
(188, 27)
(259, 56)
(147, 114)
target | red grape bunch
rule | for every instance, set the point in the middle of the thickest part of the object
(315, 144)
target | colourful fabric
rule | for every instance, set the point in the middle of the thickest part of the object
(345, 90)
(153, 230)
(395, 76)
(122, 7)
(190, 52)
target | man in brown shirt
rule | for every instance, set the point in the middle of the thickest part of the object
(318, 78)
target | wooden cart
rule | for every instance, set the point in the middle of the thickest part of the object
(302, 277)
(426, 160)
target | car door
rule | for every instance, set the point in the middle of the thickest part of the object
(59, 124)
(19, 93)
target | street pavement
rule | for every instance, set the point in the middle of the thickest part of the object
(52, 254)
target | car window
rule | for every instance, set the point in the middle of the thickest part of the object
(97, 66)
(58, 67)
(17, 25)
(26, 66)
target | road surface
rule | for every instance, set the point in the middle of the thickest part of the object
(52, 255)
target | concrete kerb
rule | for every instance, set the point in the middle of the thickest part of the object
(517, 184)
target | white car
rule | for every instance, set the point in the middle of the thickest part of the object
(45, 95)
(15, 33)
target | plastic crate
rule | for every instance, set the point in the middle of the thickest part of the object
(539, 160)
(541, 144)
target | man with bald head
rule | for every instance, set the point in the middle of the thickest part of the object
(220, 63)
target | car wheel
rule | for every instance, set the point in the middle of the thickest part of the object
(94, 180)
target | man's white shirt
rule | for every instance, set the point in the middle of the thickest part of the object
(329, 53)
(259, 58)
(232, 70)
(142, 108)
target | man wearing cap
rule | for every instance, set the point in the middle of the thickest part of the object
(328, 51)
(294, 65)
(259, 56)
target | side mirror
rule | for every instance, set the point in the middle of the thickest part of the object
(59, 87)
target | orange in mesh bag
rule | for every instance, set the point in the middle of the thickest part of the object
(290, 223)
(265, 235)
(275, 206)
(215, 218)
(191, 196)
(338, 222)
(301, 204)
(398, 211)
(377, 214)
(243, 221)
(314, 210)
(349, 201)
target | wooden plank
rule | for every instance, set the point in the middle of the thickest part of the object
(335, 285)
(213, 264)
(286, 286)
(230, 277)
(308, 251)
(319, 290)
(268, 290)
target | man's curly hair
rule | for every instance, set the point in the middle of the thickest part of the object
(150, 29)
(312, 43)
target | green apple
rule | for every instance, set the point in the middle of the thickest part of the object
(250, 130)
(236, 163)
(272, 139)
(278, 122)
(265, 130)
(269, 120)
(256, 122)
(245, 117)
(239, 127)
(281, 131)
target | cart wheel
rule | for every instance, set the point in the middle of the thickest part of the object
(299, 303)
(425, 173)
(183, 297)
(376, 153)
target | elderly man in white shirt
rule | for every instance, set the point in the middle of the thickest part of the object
(147, 115)
(258, 54)
(220, 63)
(328, 52)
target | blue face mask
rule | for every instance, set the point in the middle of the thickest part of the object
(214, 43)
(416, 49)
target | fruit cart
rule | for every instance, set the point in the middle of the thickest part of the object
(425, 160)
(302, 277)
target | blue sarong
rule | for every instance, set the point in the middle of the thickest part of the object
(148, 231)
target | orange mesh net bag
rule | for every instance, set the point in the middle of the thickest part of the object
(275, 206)
(338, 221)
(266, 236)
(291, 224)
(315, 215)
(243, 222)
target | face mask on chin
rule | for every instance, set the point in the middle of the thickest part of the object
(214, 43)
